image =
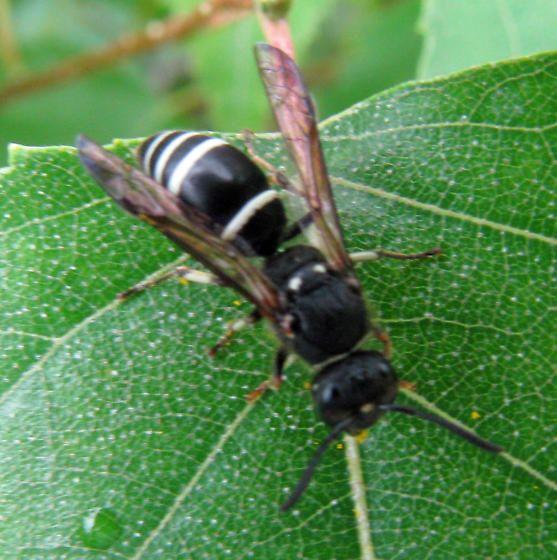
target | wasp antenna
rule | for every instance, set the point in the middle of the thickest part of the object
(314, 461)
(451, 426)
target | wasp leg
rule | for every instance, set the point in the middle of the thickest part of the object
(383, 337)
(381, 254)
(297, 228)
(233, 328)
(275, 175)
(184, 273)
(275, 381)
(281, 180)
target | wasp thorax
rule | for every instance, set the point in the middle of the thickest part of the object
(328, 313)
(354, 387)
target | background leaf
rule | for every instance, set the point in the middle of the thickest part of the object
(363, 48)
(227, 80)
(52, 116)
(347, 49)
(121, 438)
(458, 35)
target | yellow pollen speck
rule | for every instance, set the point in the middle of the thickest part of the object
(237, 302)
(361, 437)
(340, 446)
(475, 415)
(408, 385)
(183, 281)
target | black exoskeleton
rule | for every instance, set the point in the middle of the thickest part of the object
(355, 388)
(216, 178)
(328, 312)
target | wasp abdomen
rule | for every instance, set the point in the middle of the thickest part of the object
(218, 179)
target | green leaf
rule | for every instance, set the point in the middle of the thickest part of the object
(363, 50)
(463, 34)
(121, 438)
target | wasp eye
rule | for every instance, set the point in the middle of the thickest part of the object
(331, 393)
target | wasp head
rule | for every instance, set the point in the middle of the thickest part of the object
(354, 388)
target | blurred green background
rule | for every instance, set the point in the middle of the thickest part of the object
(349, 49)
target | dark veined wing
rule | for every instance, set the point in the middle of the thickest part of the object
(295, 115)
(141, 196)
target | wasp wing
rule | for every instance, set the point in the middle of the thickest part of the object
(295, 115)
(141, 196)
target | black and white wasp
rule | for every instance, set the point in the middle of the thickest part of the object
(216, 204)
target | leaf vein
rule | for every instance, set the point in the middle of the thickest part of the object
(381, 193)
(16, 332)
(226, 435)
(516, 462)
(357, 486)
(58, 343)
(468, 326)
(429, 126)
(54, 217)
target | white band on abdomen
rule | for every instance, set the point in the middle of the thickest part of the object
(183, 168)
(245, 213)
(167, 153)
(156, 142)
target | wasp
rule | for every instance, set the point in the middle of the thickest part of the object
(216, 204)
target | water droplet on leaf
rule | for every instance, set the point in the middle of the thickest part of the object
(100, 529)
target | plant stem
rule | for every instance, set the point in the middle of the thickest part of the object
(8, 47)
(275, 26)
(208, 14)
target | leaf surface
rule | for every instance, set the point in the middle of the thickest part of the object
(121, 438)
